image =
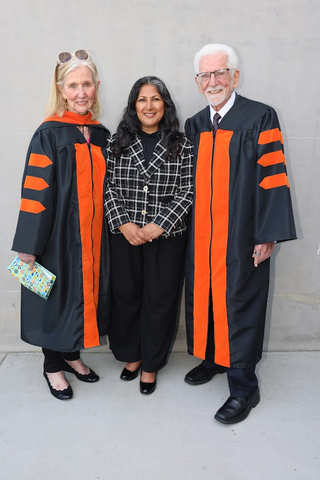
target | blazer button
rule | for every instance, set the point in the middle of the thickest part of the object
(145, 188)
(144, 212)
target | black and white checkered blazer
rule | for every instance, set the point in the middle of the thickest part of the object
(160, 192)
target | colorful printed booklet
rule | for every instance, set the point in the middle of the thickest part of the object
(39, 280)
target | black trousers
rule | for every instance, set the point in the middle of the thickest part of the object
(52, 359)
(146, 287)
(243, 382)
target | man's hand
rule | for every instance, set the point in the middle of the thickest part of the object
(134, 234)
(262, 252)
(152, 230)
(26, 258)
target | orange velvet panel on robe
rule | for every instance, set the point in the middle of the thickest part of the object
(90, 179)
(98, 194)
(202, 237)
(210, 244)
(220, 226)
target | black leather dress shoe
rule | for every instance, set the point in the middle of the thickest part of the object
(201, 374)
(146, 388)
(236, 409)
(60, 394)
(128, 375)
(90, 377)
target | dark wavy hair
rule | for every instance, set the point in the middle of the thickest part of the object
(130, 125)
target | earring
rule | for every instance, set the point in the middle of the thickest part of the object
(95, 101)
(65, 104)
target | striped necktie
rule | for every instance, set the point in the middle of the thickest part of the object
(215, 122)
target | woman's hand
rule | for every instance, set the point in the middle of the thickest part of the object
(152, 230)
(134, 234)
(26, 258)
(262, 252)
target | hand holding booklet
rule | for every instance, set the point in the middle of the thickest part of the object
(39, 280)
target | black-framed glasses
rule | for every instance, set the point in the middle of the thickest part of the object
(219, 75)
(65, 57)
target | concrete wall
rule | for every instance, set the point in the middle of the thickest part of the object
(278, 45)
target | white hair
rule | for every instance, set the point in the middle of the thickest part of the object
(214, 48)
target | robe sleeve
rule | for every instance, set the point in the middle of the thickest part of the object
(115, 210)
(187, 128)
(273, 214)
(37, 202)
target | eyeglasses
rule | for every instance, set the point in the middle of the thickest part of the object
(65, 57)
(218, 74)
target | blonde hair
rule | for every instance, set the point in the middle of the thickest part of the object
(56, 104)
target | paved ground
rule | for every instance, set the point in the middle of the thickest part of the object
(109, 431)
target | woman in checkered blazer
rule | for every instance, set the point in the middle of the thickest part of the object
(148, 197)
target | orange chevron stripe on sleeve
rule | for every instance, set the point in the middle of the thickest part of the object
(35, 183)
(31, 206)
(270, 136)
(38, 160)
(274, 181)
(272, 158)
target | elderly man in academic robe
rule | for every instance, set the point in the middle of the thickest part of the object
(242, 207)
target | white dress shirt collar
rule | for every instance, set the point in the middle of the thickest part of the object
(225, 109)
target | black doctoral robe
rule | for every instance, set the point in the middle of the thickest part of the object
(62, 222)
(241, 199)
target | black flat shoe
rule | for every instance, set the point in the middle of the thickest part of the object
(90, 377)
(128, 375)
(146, 388)
(200, 374)
(236, 409)
(60, 394)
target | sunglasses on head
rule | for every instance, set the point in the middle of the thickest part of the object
(65, 57)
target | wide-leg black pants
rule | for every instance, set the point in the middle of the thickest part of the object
(146, 284)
